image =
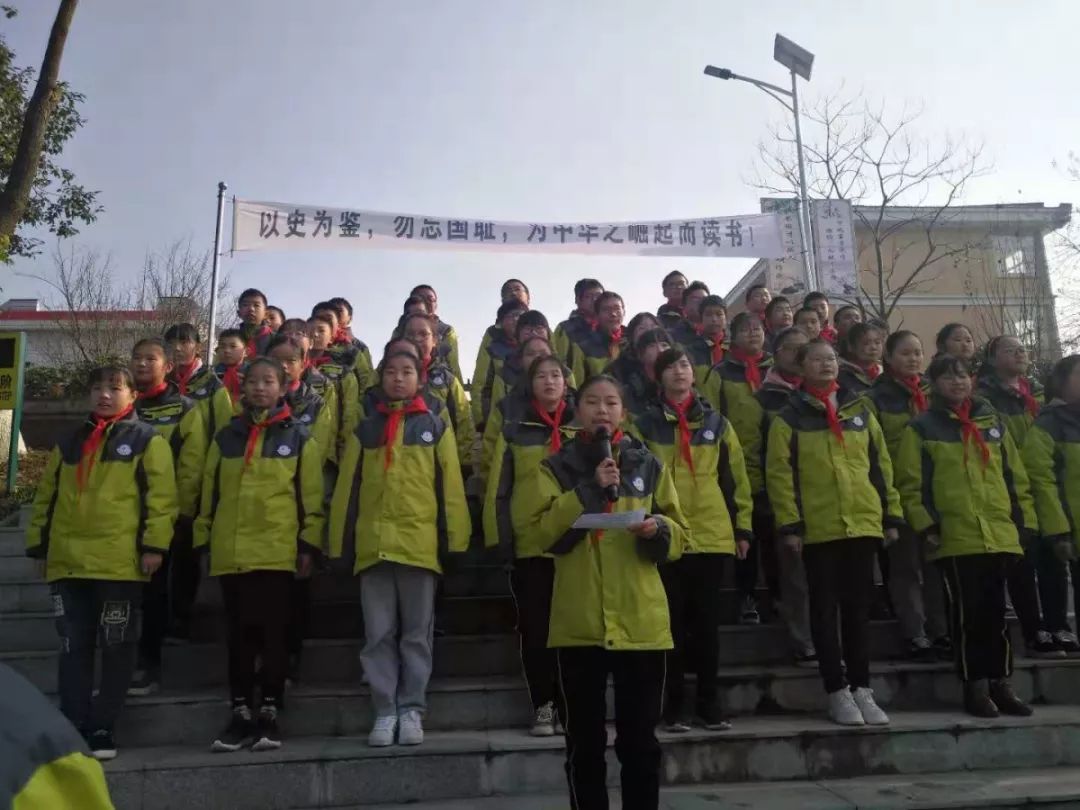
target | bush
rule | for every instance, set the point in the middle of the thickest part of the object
(31, 468)
(67, 381)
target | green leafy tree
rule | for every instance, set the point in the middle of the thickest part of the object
(36, 192)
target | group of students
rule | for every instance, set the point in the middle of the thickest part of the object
(788, 440)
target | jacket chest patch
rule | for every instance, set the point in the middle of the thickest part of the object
(124, 450)
(638, 483)
(284, 450)
(438, 380)
(857, 421)
(994, 433)
(427, 437)
(709, 436)
(305, 418)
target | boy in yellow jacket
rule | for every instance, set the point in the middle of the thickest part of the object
(103, 521)
(400, 500)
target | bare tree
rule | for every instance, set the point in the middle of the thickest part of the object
(99, 316)
(20, 181)
(903, 187)
(1066, 270)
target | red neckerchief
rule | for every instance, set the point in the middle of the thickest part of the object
(553, 421)
(393, 423)
(681, 409)
(750, 361)
(824, 396)
(794, 380)
(873, 371)
(715, 344)
(321, 360)
(255, 428)
(90, 446)
(231, 380)
(182, 374)
(913, 385)
(616, 438)
(1030, 403)
(971, 431)
(153, 393)
(614, 339)
(426, 367)
(252, 349)
(828, 333)
(293, 386)
(341, 336)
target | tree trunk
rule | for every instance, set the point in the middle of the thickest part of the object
(24, 167)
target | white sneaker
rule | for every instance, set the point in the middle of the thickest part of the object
(544, 721)
(411, 730)
(382, 733)
(842, 708)
(870, 711)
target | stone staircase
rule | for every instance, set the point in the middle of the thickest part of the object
(476, 746)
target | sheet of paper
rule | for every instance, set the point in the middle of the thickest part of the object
(609, 520)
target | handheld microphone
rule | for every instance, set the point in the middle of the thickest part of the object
(603, 440)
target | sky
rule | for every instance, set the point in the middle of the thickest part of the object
(510, 110)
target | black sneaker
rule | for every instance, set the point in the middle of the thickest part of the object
(102, 746)
(977, 700)
(1066, 642)
(677, 723)
(943, 649)
(292, 674)
(806, 659)
(237, 734)
(921, 651)
(1001, 692)
(748, 611)
(267, 736)
(145, 682)
(1044, 646)
(712, 718)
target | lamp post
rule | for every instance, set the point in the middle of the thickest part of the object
(799, 62)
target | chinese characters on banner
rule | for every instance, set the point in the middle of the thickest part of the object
(834, 248)
(786, 274)
(281, 226)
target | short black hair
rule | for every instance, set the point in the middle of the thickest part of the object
(751, 290)
(893, 340)
(713, 301)
(1059, 374)
(945, 332)
(321, 317)
(944, 364)
(230, 333)
(856, 332)
(420, 287)
(845, 308)
(279, 370)
(103, 374)
(653, 336)
(278, 310)
(741, 320)
(293, 325)
(816, 295)
(672, 275)
(774, 303)
(693, 287)
(668, 357)
(804, 350)
(151, 341)
(182, 331)
(531, 317)
(806, 311)
(584, 285)
(784, 334)
(506, 307)
(251, 292)
(596, 379)
(393, 341)
(285, 340)
(340, 303)
(607, 295)
(414, 299)
(324, 306)
(508, 282)
(415, 360)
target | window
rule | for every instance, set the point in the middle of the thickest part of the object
(1015, 255)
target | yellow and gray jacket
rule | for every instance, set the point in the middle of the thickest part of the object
(567, 339)
(179, 421)
(317, 415)
(715, 495)
(128, 506)
(44, 761)
(495, 349)
(728, 392)
(1008, 402)
(408, 509)
(1051, 455)
(598, 350)
(447, 348)
(443, 385)
(607, 590)
(213, 400)
(947, 491)
(890, 401)
(639, 392)
(823, 489)
(255, 515)
(523, 442)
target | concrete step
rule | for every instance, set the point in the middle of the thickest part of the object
(12, 542)
(325, 661)
(1047, 788)
(17, 569)
(322, 772)
(319, 709)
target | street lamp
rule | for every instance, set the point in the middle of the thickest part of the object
(799, 62)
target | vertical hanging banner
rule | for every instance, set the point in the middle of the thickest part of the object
(834, 247)
(259, 226)
(786, 274)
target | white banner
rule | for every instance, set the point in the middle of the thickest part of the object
(285, 226)
(786, 273)
(834, 249)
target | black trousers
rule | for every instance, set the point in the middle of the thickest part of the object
(1024, 592)
(299, 616)
(839, 577)
(531, 581)
(763, 523)
(184, 577)
(1053, 582)
(638, 679)
(693, 591)
(94, 614)
(258, 611)
(168, 596)
(975, 599)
